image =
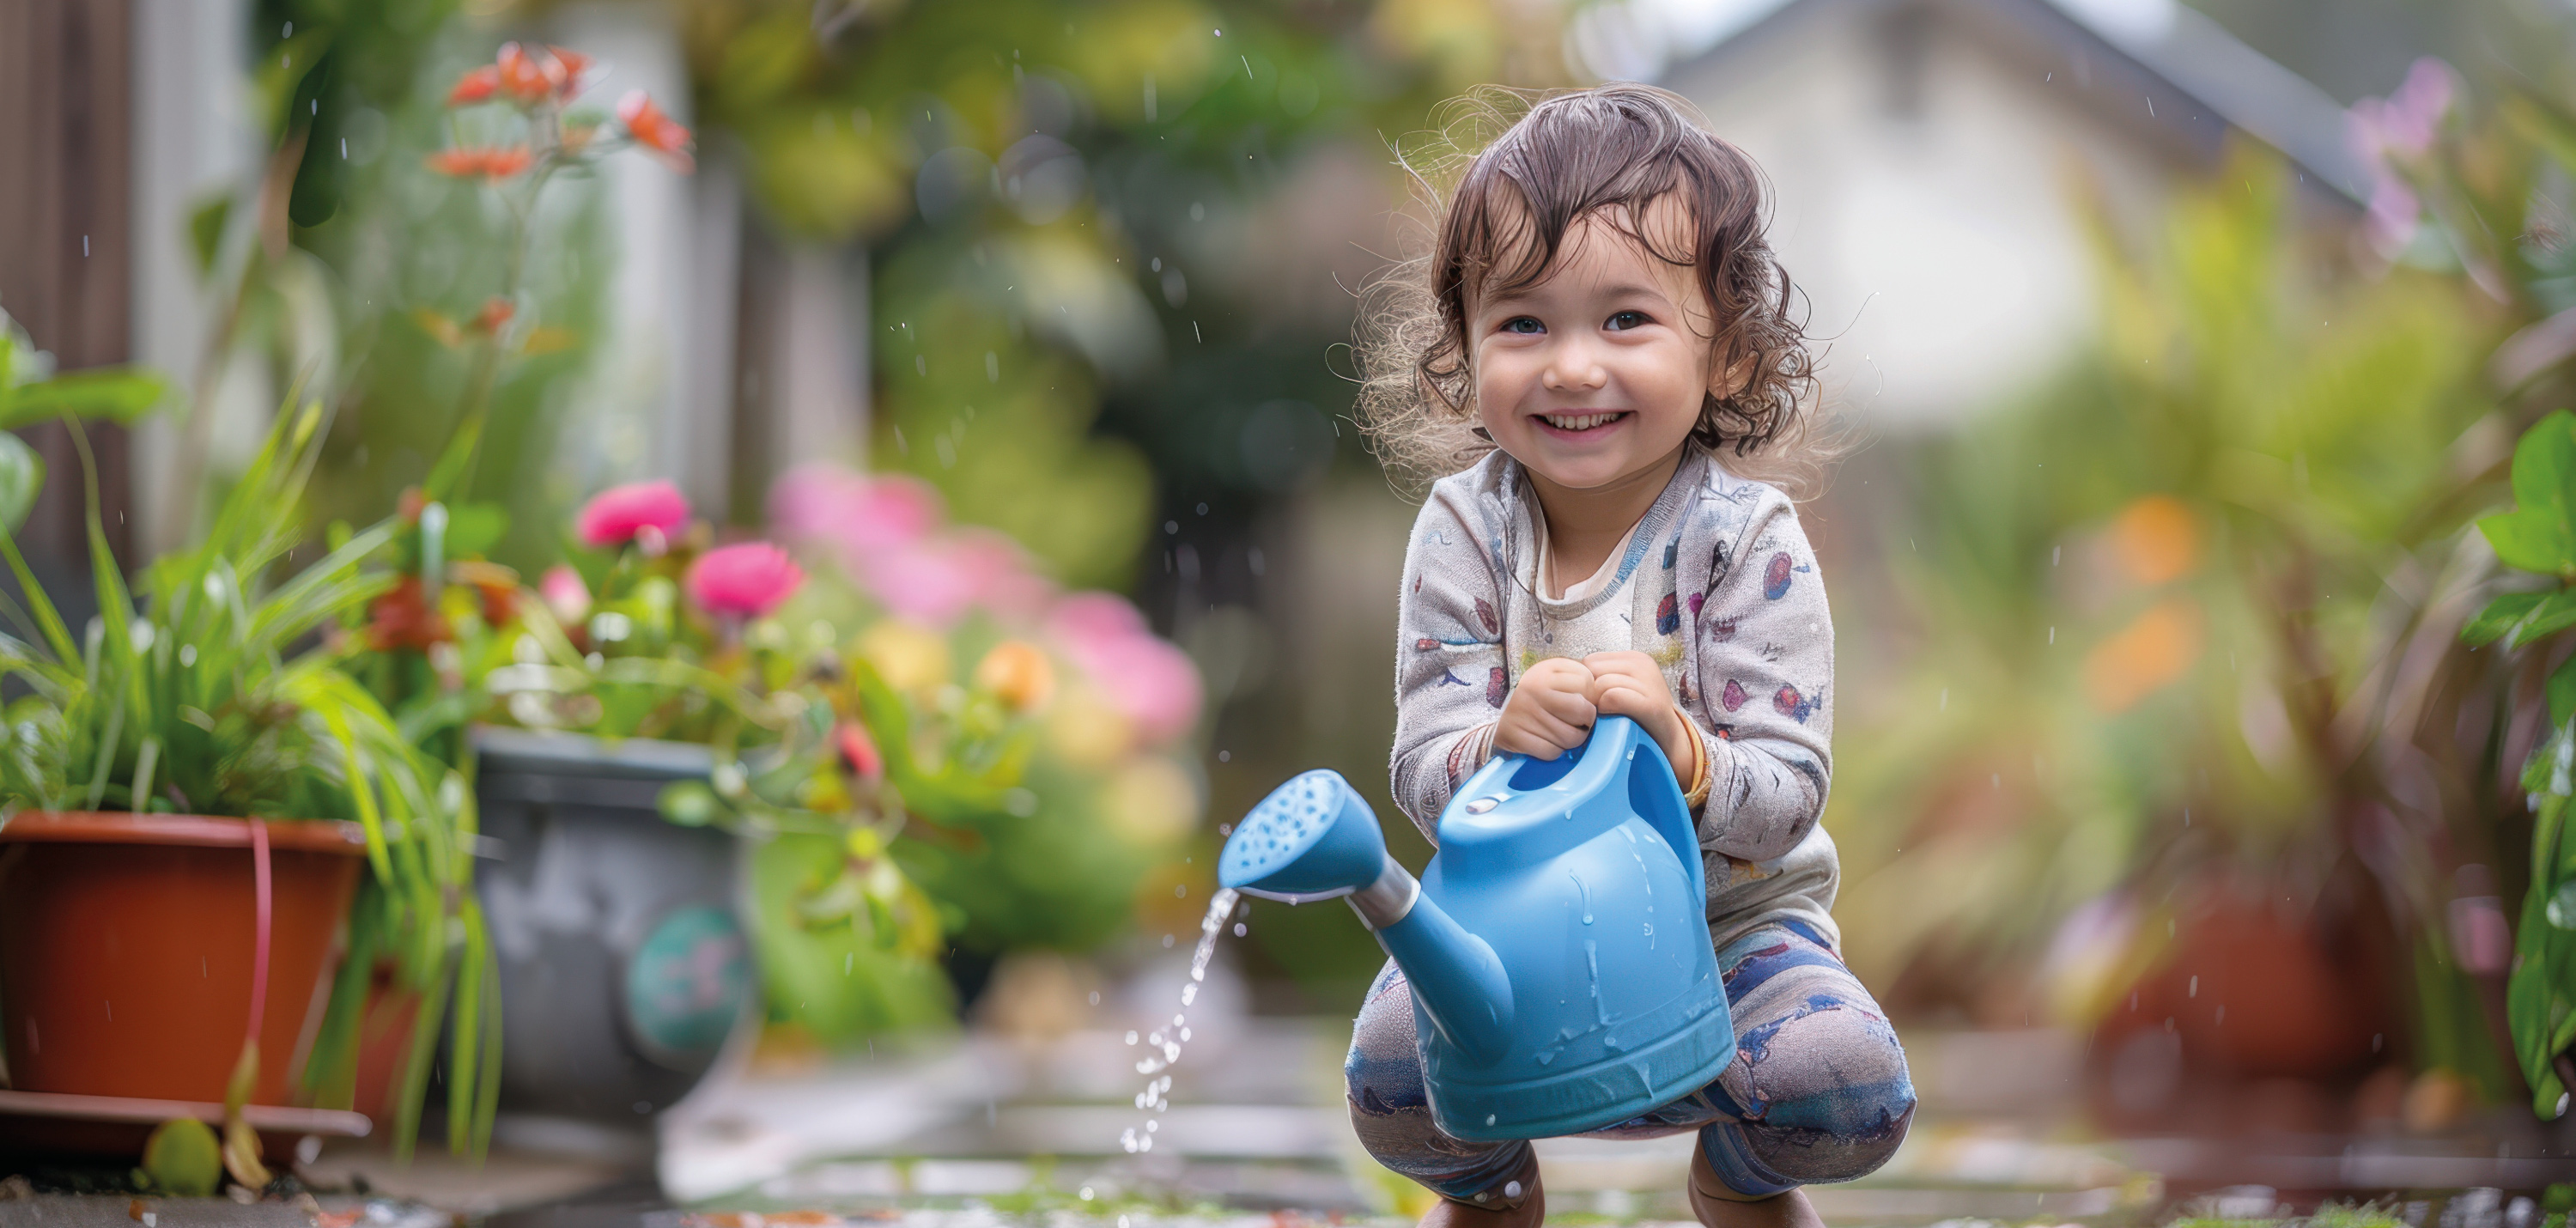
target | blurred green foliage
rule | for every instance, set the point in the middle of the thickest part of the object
(391, 262)
(2167, 590)
(1030, 176)
(31, 393)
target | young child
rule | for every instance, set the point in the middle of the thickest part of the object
(1604, 322)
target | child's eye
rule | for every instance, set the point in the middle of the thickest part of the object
(1524, 324)
(1626, 320)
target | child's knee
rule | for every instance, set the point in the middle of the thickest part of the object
(1383, 1073)
(1831, 1097)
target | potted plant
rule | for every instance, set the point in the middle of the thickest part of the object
(193, 787)
(894, 806)
(650, 680)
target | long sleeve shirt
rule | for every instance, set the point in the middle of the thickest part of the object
(1722, 591)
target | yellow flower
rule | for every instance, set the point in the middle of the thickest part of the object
(1150, 802)
(1088, 732)
(908, 657)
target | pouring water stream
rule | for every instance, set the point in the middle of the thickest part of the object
(1163, 1045)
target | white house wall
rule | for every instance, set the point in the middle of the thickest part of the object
(1941, 246)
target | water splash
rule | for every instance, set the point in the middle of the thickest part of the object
(1163, 1045)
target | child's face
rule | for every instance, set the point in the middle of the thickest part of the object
(1594, 376)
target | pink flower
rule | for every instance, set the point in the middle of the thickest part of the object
(2384, 133)
(564, 594)
(921, 583)
(748, 580)
(1148, 680)
(886, 532)
(614, 516)
(936, 580)
(861, 514)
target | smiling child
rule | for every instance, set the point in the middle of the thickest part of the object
(1599, 354)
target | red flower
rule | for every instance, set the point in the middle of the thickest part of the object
(528, 78)
(401, 618)
(496, 312)
(468, 163)
(574, 66)
(859, 751)
(748, 580)
(655, 131)
(614, 516)
(477, 85)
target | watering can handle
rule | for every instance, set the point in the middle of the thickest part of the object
(1658, 799)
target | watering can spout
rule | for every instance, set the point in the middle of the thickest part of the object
(1314, 838)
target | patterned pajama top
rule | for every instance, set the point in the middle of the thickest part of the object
(1720, 588)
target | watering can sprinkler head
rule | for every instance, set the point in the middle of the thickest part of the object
(1313, 839)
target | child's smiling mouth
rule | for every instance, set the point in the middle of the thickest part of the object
(1581, 423)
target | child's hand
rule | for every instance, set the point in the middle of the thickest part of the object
(1550, 712)
(1629, 684)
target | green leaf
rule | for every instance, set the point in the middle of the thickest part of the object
(2556, 613)
(690, 803)
(474, 528)
(22, 475)
(183, 1158)
(2537, 535)
(2562, 691)
(2499, 617)
(281, 74)
(2561, 909)
(206, 231)
(117, 394)
(2530, 541)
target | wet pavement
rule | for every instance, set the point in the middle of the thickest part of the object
(1022, 1126)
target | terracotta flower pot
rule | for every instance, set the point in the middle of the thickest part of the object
(126, 943)
(2248, 999)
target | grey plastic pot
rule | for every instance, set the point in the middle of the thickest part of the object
(623, 960)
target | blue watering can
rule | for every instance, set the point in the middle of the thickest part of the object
(1557, 944)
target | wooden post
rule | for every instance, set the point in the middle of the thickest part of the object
(65, 243)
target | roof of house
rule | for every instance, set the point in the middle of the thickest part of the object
(2153, 62)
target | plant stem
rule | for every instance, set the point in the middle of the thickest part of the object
(465, 446)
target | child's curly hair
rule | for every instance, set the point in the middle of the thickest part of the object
(1615, 148)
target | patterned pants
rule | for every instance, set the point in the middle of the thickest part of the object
(1817, 1090)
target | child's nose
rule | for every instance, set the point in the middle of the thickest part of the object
(1574, 366)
